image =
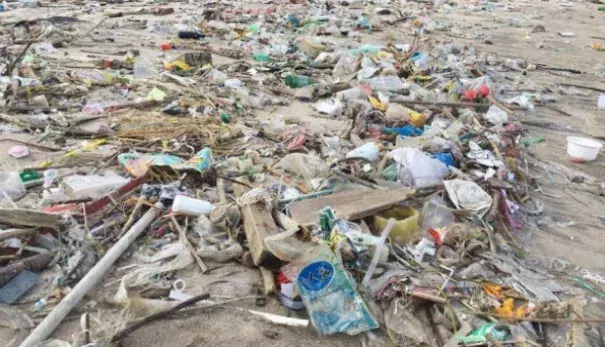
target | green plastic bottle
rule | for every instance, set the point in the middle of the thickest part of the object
(298, 81)
(261, 56)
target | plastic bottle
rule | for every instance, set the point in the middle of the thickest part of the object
(355, 93)
(49, 177)
(298, 81)
(190, 206)
(386, 83)
(370, 151)
(191, 34)
(261, 56)
(294, 21)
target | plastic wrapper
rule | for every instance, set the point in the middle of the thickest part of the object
(329, 294)
(137, 164)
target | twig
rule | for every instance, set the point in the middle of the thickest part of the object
(134, 212)
(189, 246)
(235, 181)
(94, 27)
(539, 320)
(16, 61)
(134, 326)
(453, 104)
(582, 87)
(556, 109)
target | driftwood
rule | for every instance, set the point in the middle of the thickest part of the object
(29, 218)
(36, 262)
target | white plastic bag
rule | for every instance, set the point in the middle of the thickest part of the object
(416, 169)
(11, 185)
(496, 115)
(468, 195)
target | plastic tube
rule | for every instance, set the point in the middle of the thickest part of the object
(383, 237)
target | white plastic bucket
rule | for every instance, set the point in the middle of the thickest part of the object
(582, 148)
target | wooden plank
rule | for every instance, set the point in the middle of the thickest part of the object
(30, 218)
(268, 281)
(258, 224)
(349, 205)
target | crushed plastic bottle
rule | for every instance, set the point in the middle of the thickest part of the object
(298, 81)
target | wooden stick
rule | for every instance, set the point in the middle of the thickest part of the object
(499, 104)
(197, 258)
(16, 61)
(90, 280)
(134, 326)
(10, 233)
(95, 26)
(539, 320)
(134, 212)
(268, 281)
(453, 104)
(582, 87)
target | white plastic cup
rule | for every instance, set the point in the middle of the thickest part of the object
(582, 148)
(191, 207)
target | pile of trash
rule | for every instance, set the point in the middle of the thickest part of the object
(402, 205)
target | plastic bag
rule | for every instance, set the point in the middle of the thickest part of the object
(329, 294)
(468, 195)
(347, 64)
(11, 185)
(416, 169)
(496, 115)
(143, 68)
(305, 165)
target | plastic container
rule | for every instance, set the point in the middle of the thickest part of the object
(191, 207)
(582, 149)
(298, 81)
(406, 225)
(370, 151)
(92, 186)
(436, 214)
(11, 185)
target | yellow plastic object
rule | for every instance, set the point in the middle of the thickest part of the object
(72, 153)
(417, 119)
(406, 225)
